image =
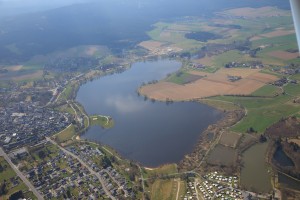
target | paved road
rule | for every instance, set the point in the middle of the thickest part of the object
(84, 164)
(24, 179)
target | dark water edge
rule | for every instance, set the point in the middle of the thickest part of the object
(282, 158)
(288, 182)
(149, 132)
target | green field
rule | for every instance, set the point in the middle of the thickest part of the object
(66, 134)
(263, 112)
(67, 92)
(103, 121)
(164, 189)
(292, 89)
(165, 169)
(296, 77)
(267, 91)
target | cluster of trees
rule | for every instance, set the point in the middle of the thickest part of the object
(251, 130)
(3, 188)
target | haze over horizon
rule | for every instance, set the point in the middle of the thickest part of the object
(15, 7)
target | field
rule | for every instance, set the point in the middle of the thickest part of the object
(263, 112)
(165, 169)
(284, 55)
(221, 105)
(183, 78)
(277, 33)
(174, 34)
(151, 45)
(103, 121)
(267, 91)
(211, 85)
(166, 189)
(256, 12)
(66, 134)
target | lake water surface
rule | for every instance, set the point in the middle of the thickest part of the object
(152, 133)
(254, 174)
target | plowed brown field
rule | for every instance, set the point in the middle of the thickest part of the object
(211, 85)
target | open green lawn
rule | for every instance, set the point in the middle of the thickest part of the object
(66, 92)
(164, 189)
(266, 71)
(211, 69)
(229, 56)
(278, 42)
(103, 121)
(66, 134)
(292, 89)
(182, 77)
(165, 169)
(296, 77)
(7, 173)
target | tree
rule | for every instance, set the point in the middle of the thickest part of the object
(41, 155)
(3, 188)
(69, 193)
(106, 162)
(251, 130)
(262, 138)
(17, 195)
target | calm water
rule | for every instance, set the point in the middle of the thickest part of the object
(254, 174)
(283, 159)
(152, 133)
(288, 182)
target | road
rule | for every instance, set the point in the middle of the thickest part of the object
(62, 130)
(178, 189)
(84, 164)
(143, 181)
(88, 119)
(60, 94)
(23, 178)
(197, 195)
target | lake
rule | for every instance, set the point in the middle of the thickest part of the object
(150, 132)
(254, 174)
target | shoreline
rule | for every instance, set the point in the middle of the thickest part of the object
(202, 140)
